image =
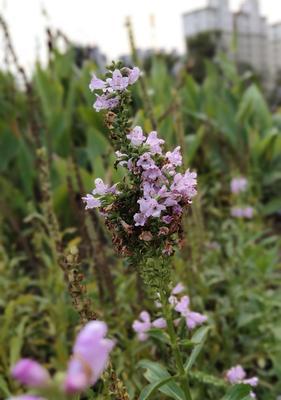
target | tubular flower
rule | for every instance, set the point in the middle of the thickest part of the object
(89, 359)
(238, 375)
(30, 373)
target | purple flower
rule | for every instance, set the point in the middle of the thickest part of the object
(237, 375)
(236, 212)
(192, 319)
(238, 185)
(133, 75)
(252, 381)
(159, 323)
(152, 173)
(248, 212)
(154, 143)
(140, 219)
(175, 157)
(136, 136)
(177, 210)
(183, 305)
(150, 207)
(103, 188)
(145, 161)
(118, 82)
(96, 83)
(30, 373)
(90, 356)
(185, 184)
(179, 288)
(167, 219)
(104, 102)
(91, 202)
(142, 325)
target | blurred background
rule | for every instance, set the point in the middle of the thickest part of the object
(211, 82)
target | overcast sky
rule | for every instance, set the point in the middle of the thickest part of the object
(101, 22)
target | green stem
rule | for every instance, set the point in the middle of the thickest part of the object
(175, 347)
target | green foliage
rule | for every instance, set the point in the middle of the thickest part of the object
(225, 128)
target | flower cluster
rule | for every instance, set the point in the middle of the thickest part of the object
(89, 359)
(242, 212)
(178, 304)
(151, 205)
(238, 185)
(107, 97)
(238, 375)
(182, 306)
(144, 324)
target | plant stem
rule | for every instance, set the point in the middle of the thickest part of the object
(175, 347)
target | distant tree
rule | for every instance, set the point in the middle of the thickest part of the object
(203, 46)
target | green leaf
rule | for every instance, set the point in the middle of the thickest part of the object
(159, 335)
(149, 390)
(199, 339)
(155, 372)
(4, 389)
(238, 392)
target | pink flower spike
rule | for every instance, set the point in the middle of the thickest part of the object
(30, 373)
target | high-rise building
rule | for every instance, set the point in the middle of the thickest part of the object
(244, 35)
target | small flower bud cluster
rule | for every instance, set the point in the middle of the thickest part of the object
(239, 185)
(108, 90)
(238, 375)
(90, 356)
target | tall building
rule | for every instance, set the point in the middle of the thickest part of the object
(244, 35)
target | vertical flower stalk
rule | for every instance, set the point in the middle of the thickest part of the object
(144, 212)
(174, 345)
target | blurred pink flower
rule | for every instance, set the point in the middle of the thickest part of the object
(90, 356)
(237, 374)
(238, 185)
(30, 373)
